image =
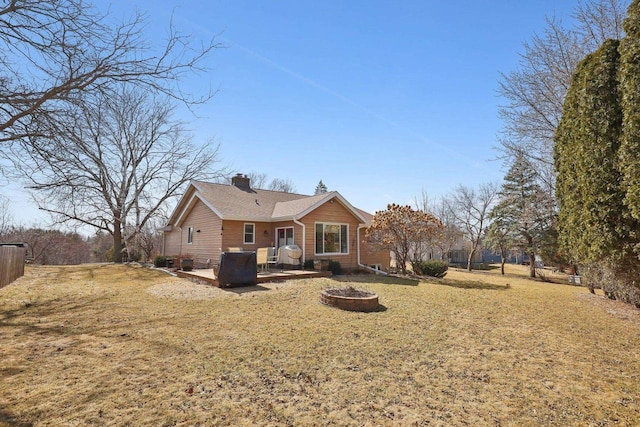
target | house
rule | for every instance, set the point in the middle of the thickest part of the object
(214, 218)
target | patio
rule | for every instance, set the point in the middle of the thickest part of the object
(271, 275)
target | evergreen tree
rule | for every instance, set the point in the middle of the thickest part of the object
(320, 188)
(597, 157)
(587, 141)
(525, 207)
(630, 100)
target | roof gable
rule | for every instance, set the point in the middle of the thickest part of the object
(243, 203)
(329, 196)
(247, 204)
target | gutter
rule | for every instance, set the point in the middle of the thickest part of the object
(304, 237)
(366, 267)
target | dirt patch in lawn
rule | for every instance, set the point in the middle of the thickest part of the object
(618, 309)
(184, 289)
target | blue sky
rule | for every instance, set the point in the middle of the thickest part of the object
(379, 99)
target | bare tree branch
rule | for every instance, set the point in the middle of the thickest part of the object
(113, 162)
(471, 209)
(536, 90)
(51, 51)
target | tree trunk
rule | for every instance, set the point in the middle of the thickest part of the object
(117, 241)
(502, 261)
(469, 260)
(532, 264)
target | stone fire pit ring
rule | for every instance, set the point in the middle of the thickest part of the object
(350, 299)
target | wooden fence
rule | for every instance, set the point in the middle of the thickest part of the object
(11, 264)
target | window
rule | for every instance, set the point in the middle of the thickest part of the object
(249, 233)
(332, 238)
(190, 235)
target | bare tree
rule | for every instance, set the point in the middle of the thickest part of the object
(147, 242)
(6, 220)
(257, 179)
(283, 185)
(51, 51)
(499, 238)
(535, 92)
(53, 247)
(450, 234)
(471, 210)
(101, 244)
(422, 202)
(113, 162)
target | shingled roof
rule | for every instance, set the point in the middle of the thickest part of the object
(232, 202)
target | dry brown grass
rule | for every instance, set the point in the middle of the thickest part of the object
(116, 345)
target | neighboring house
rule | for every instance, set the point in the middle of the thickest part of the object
(213, 218)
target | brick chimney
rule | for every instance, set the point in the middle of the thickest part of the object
(241, 181)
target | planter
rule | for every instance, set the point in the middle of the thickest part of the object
(350, 299)
(186, 264)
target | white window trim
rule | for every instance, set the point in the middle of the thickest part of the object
(330, 223)
(190, 236)
(244, 233)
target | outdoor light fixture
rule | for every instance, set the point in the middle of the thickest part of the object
(266, 233)
(197, 231)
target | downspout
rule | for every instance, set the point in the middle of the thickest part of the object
(304, 237)
(366, 267)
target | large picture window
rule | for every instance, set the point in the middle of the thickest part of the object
(249, 234)
(332, 239)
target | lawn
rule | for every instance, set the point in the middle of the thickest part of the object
(119, 345)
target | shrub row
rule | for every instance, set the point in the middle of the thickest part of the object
(432, 268)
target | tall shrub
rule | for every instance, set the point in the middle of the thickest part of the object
(630, 88)
(597, 157)
(587, 141)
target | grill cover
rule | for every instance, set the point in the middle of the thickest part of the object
(289, 254)
(237, 268)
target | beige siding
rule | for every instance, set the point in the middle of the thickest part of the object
(216, 235)
(206, 243)
(233, 235)
(172, 242)
(332, 213)
(370, 256)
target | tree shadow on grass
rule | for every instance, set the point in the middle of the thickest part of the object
(465, 284)
(375, 278)
(476, 267)
(10, 420)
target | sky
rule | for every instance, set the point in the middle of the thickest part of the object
(381, 100)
